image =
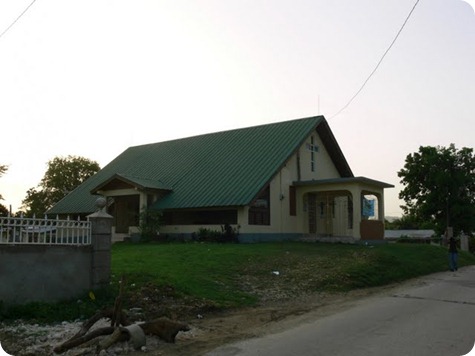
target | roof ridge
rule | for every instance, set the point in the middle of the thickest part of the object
(233, 130)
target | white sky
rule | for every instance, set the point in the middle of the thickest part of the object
(91, 78)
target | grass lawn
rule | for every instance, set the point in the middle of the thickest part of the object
(235, 275)
(217, 271)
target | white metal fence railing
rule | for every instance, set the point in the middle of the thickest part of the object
(20, 230)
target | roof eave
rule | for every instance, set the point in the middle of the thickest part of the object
(363, 180)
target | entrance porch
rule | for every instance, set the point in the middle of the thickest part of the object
(342, 209)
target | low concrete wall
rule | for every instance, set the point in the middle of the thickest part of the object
(43, 272)
(372, 230)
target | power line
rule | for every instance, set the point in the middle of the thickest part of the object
(14, 22)
(379, 63)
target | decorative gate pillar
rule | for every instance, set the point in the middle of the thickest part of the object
(101, 237)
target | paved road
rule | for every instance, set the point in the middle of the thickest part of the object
(435, 316)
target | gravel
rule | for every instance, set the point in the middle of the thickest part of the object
(23, 339)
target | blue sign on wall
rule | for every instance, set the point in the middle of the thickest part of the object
(368, 207)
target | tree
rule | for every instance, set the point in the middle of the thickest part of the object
(62, 176)
(440, 187)
(3, 208)
(3, 169)
(408, 222)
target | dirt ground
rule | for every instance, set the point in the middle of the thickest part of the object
(209, 328)
(217, 329)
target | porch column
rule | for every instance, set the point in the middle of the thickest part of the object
(356, 192)
(143, 201)
(381, 206)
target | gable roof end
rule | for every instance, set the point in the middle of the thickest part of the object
(140, 183)
(333, 149)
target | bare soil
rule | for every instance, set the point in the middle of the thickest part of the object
(220, 328)
(209, 327)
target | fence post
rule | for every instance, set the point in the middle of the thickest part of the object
(101, 237)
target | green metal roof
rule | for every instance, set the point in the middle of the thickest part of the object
(219, 169)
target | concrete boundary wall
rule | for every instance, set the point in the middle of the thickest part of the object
(43, 273)
(49, 273)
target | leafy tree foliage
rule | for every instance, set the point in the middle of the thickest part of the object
(440, 187)
(3, 210)
(3, 169)
(409, 222)
(62, 176)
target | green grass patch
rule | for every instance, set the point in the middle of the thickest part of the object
(44, 313)
(236, 275)
(216, 271)
(202, 270)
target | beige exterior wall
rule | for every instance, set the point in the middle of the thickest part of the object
(324, 166)
(281, 221)
(187, 229)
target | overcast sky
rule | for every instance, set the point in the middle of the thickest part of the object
(91, 78)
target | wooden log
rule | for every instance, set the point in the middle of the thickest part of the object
(106, 313)
(74, 342)
(110, 340)
(164, 328)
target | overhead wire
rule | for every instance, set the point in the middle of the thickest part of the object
(16, 20)
(379, 63)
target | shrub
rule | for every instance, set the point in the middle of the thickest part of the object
(150, 223)
(228, 234)
(207, 235)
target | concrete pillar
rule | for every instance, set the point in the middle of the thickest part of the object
(381, 213)
(464, 246)
(356, 194)
(101, 237)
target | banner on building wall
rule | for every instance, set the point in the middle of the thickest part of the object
(368, 208)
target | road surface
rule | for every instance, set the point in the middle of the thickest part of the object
(433, 316)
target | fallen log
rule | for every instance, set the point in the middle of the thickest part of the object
(75, 342)
(116, 336)
(103, 314)
(164, 328)
(121, 329)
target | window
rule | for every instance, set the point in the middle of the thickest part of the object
(292, 201)
(259, 211)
